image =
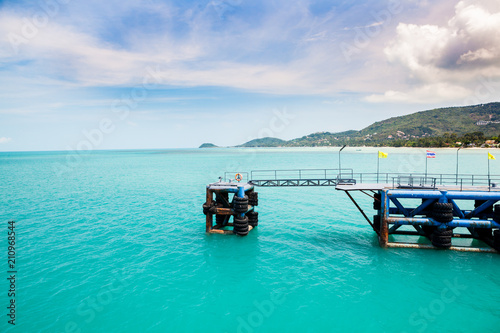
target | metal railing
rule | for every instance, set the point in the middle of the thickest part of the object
(301, 174)
(412, 182)
(331, 177)
(301, 177)
(427, 180)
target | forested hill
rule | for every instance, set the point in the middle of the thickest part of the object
(459, 120)
(438, 127)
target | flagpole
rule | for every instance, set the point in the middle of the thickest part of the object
(488, 170)
(426, 158)
(456, 181)
(378, 164)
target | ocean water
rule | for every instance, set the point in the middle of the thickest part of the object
(114, 241)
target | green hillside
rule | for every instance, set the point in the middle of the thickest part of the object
(265, 142)
(438, 127)
(437, 122)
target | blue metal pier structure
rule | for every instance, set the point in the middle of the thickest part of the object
(436, 207)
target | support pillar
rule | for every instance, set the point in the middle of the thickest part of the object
(383, 237)
(209, 222)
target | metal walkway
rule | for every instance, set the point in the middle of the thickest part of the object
(346, 177)
(302, 177)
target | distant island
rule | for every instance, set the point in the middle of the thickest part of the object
(208, 145)
(470, 126)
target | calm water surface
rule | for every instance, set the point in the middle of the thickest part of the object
(114, 241)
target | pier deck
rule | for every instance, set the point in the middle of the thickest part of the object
(428, 204)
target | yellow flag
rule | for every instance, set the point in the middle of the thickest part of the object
(381, 154)
(490, 157)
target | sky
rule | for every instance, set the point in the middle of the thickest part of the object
(142, 74)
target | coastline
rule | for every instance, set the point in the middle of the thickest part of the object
(354, 147)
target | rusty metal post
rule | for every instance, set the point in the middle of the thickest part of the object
(209, 215)
(384, 229)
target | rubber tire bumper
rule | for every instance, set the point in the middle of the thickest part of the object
(444, 207)
(442, 217)
(441, 238)
(240, 226)
(240, 205)
(253, 199)
(253, 218)
(242, 233)
(442, 212)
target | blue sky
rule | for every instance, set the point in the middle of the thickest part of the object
(175, 74)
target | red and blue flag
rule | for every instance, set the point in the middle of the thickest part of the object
(430, 154)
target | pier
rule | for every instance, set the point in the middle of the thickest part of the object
(241, 207)
(425, 211)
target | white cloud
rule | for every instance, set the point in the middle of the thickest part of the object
(431, 93)
(5, 140)
(243, 56)
(444, 63)
(469, 42)
(63, 51)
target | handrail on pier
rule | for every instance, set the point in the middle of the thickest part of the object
(332, 177)
(300, 174)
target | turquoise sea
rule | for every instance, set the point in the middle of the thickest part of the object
(114, 241)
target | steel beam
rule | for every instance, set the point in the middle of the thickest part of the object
(423, 194)
(454, 223)
(430, 247)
